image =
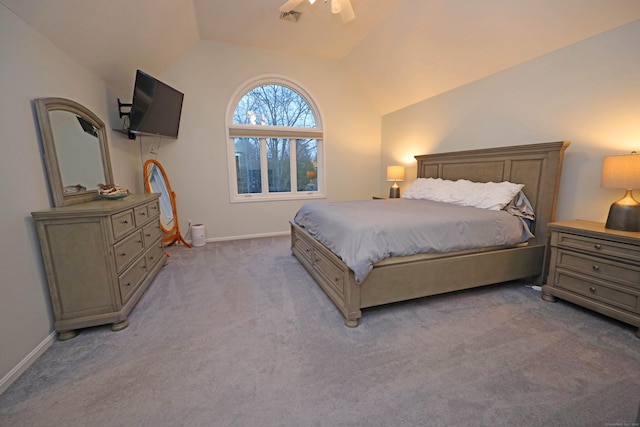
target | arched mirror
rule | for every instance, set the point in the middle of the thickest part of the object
(156, 181)
(76, 155)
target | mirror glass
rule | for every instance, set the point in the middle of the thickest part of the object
(75, 150)
(78, 151)
(156, 181)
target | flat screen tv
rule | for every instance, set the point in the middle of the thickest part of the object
(156, 107)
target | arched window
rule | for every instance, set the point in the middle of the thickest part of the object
(274, 142)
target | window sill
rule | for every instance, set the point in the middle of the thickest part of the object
(250, 198)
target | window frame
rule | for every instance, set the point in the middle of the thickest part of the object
(268, 131)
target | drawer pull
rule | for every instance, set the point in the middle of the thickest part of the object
(597, 246)
(124, 221)
(148, 234)
(143, 213)
(123, 254)
(596, 268)
(592, 290)
(336, 279)
(127, 284)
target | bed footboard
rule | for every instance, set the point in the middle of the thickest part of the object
(333, 276)
(401, 281)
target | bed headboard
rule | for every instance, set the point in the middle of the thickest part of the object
(537, 166)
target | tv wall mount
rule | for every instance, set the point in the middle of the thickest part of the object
(124, 113)
(127, 114)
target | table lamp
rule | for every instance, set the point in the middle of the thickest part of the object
(623, 172)
(395, 174)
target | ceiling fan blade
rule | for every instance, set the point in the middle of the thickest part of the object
(289, 5)
(346, 14)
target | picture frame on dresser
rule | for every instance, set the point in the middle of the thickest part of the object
(596, 268)
(99, 255)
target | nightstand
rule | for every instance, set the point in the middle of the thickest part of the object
(596, 268)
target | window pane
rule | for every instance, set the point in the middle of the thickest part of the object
(274, 105)
(278, 161)
(248, 165)
(307, 164)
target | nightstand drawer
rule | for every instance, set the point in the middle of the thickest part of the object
(597, 246)
(595, 290)
(600, 268)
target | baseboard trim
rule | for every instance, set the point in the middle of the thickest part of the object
(19, 369)
(247, 236)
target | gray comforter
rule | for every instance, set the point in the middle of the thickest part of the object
(363, 233)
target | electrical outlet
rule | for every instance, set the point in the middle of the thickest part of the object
(153, 150)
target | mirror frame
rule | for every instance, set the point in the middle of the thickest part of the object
(174, 235)
(43, 107)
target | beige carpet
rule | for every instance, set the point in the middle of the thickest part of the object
(237, 334)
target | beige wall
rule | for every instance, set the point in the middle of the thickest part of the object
(32, 68)
(196, 163)
(587, 93)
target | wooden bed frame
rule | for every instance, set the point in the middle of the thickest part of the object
(537, 166)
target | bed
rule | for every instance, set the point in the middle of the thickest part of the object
(394, 279)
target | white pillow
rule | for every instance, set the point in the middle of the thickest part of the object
(485, 195)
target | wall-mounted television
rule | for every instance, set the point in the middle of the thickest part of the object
(156, 107)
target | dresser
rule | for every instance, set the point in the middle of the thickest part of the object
(99, 258)
(596, 268)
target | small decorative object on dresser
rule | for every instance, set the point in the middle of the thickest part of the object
(597, 268)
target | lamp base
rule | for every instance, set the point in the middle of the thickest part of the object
(624, 215)
(394, 192)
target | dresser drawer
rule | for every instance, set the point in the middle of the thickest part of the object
(155, 254)
(122, 223)
(596, 290)
(598, 246)
(151, 233)
(128, 249)
(601, 268)
(153, 208)
(141, 214)
(130, 279)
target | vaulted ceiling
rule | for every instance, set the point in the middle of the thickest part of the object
(399, 51)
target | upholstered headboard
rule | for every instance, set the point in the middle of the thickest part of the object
(537, 166)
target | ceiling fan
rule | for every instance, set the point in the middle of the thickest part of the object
(342, 7)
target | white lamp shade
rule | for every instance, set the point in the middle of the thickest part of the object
(395, 173)
(621, 172)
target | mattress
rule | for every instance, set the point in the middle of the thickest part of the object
(363, 233)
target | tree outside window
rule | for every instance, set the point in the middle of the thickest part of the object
(276, 142)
